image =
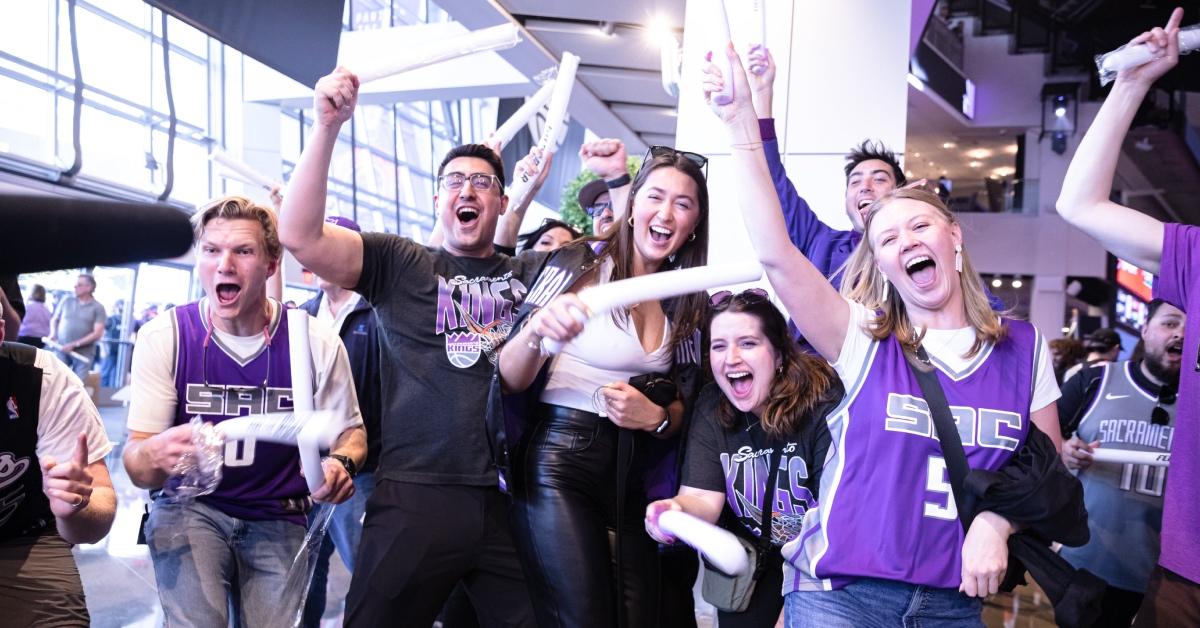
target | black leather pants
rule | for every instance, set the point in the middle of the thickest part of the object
(565, 521)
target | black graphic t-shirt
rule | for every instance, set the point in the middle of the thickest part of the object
(734, 462)
(441, 318)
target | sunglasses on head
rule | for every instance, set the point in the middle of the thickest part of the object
(1166, 397)
(721, 300)
(666, 151)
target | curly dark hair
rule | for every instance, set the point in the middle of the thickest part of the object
(869, 150)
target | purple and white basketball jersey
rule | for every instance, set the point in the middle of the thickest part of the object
(260, 481)
(887, 509)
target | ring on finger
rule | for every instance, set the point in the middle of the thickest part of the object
(79, 504)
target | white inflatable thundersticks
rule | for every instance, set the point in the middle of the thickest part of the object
(719, 32)
(1122, 456)
(719, 546)
(627, 292)
(237, 169)
(522, 116)
(560, 97)
(489, 39)
(758, 30)
(1126, 57)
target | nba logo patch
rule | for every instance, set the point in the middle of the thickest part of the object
(462, 349)
(13, 411)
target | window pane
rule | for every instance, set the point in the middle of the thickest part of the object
(112, 58)
(189, 84)
(25, 29)
(26, 121)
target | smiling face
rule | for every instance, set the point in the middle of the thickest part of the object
(869, 181)
(666, 211)
(913, 245)
(233, 263)
(1163, 336)
(604, 219)
(552, 239)
(744, 362)
(469, 215)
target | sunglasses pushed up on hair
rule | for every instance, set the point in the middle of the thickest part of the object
(721, 300)
(659, 150)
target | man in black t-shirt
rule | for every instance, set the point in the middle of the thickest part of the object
(437, 516)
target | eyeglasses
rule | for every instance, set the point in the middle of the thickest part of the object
(666, 151)
(596, 209)
(204, 354)
(1166, 397)
(453, 181)
(721, 300)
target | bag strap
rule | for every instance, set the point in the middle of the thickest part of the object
(947, 430)
(763, 542)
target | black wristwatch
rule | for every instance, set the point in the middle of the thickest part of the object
(618, 182)
(347, 462)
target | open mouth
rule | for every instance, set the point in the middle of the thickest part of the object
(660, 235)
(466, 215)
(740, 382)
(227, 293)
(864, 203)
(922, 270)
(1175, 350)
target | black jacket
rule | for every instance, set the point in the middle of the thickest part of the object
(510, 416)
(360, 335)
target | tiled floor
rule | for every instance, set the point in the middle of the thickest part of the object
(119, 579)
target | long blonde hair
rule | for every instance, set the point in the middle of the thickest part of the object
(863, 282)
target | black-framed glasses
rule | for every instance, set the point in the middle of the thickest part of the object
(659, 150)
(481, 181)
(595, 209)
(721, 300)
(1166, 397)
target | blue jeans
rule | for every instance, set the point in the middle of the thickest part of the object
(345, 530)
(874, 603)
(80, 367)
(206, 562)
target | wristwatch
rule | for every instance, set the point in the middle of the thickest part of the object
(666, 423)
(618, 182)
(347, 462)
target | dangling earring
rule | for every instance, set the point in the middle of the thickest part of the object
(887, 287)
(671, 258)
(630, 221)
(958, 257)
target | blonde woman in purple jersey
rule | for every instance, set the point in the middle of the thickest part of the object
(886, 545)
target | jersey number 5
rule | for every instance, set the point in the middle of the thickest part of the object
(937, 481)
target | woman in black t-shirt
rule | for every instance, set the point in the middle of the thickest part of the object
(768, 403)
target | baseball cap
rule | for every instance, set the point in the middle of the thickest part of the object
(1102, 339)
(590, 192)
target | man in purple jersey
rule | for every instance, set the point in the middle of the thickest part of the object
(1172, 253)
(224, 356)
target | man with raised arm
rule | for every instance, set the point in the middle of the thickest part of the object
(437, 516)
(1172, 253)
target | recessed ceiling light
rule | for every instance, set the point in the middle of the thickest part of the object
(975, 164)
(949, 145)
(979, 153)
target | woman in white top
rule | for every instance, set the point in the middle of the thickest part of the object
(565, 472)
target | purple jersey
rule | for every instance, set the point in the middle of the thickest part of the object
(260, 481)
(887, 510)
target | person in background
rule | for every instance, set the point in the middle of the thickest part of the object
(1103, 346)
(35, 325)
(549, 236)
(77, 324)
(1066, 353)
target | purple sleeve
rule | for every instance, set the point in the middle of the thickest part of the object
(1180, 244)
(805, 230)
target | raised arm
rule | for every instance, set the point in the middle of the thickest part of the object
(609, 161)
(333, 253)
(1084, 201)
(817, 309)
(508, 227)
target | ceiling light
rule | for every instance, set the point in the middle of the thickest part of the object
(1060, 112)
(916, 154)
(996, 283)
(1017, 283)
(1010, 149)
(915, 82)
(975, 164)
(979, 153)
(659, 32)
(908, 173)
(1003, 171)
(949, 145)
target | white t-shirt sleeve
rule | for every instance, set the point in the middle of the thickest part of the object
(857, 344)
(1045, 388)
(65, 411)
(153, 395)
(334, 379)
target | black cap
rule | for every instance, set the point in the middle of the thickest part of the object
(590, 192)
(1103, 339)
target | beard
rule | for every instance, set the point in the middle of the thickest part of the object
(1156, 365)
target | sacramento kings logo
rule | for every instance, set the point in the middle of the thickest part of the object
(462, 349)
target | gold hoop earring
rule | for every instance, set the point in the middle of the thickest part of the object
(630, 221)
